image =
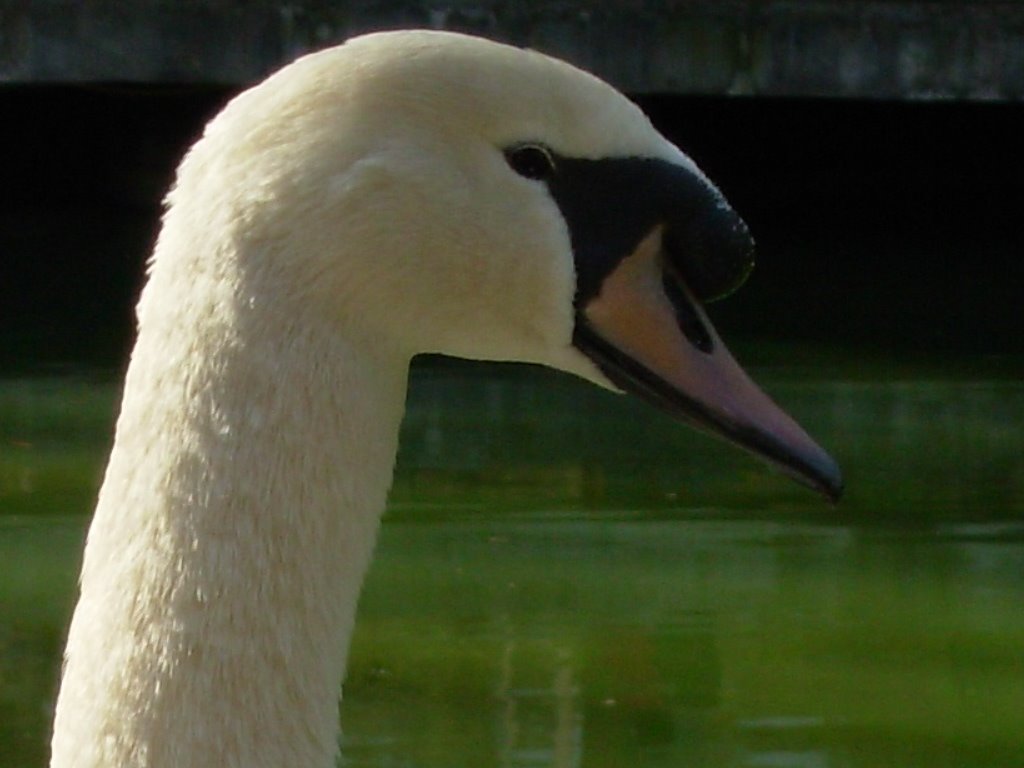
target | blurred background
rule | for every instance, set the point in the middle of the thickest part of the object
(565, 579)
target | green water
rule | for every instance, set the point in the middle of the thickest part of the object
(565, 578)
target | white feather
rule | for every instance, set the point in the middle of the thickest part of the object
(349, 212)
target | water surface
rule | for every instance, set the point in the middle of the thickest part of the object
(565, 578)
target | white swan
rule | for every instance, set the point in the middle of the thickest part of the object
(402, 193)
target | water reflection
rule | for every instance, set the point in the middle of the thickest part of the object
(540, 722)
(688, 643)
(913, 451)
(565, 579)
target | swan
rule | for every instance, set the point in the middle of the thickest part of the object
(404, 192)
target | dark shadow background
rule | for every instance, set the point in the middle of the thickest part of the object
(883, 225)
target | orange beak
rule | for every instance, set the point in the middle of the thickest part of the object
(649, 335)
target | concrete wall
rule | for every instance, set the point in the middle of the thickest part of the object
(843, 48)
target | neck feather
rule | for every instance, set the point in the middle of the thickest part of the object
(233, 530)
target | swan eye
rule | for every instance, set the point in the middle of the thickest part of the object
(532, 161)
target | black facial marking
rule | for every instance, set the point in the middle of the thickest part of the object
(610, 205)
(713, 252)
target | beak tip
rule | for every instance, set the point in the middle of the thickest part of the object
(827, 479)
(834, 493)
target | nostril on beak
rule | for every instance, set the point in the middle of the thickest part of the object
(687, 316)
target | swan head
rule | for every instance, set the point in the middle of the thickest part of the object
(441, 193)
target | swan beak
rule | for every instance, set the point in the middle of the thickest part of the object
(648, 333)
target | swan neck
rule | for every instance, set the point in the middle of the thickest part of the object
(233, 530)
